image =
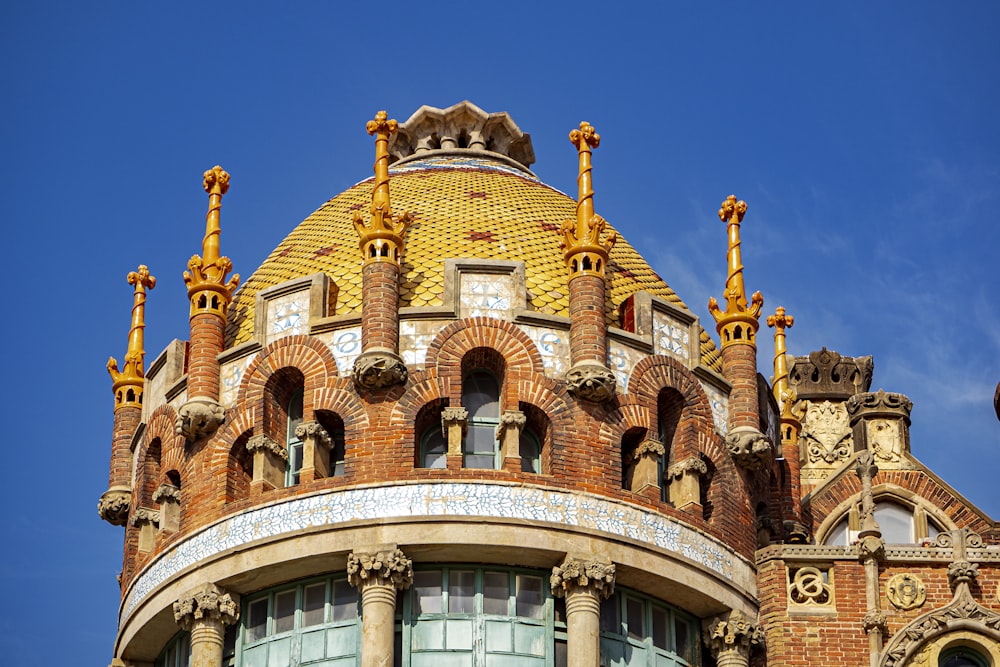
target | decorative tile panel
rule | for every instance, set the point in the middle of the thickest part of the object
(425, 501)
(287, 315)
(232, 375)
(671, 336)
(621, 361)
(553, 346)
(345, 344)
(415, 336)
(486, 295)
(720, 407)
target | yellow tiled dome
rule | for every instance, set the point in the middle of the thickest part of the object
(468, 206)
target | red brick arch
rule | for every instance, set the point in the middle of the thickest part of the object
(341, 398)
(310, 356)
(424, 387)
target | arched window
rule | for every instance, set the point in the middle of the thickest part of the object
(962, 656)
(899, 525)
(433, 449)
(529, 449)
(292, 443)
(481, 397)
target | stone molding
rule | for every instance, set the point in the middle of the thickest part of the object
(875, 620)
(735, 633)
(114, 504)
(386, 567)
(265, 444)
(576, 574)
(883, 403)
(750, 449)
(199, 418)
(207, 604)
(376, 370)
(313, 430)
(591, 382)
(688, 465)
(144, 515)
(167, 493)
(826, 374)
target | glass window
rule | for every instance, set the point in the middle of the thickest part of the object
(284, 611)
(338, 450)
(461, 591)
(529, 596)
(292, 443)
(177, 652)
(529, 450)
(427, 592)
(896, 523)
(962, 656)
(481, 397)
(433, 448)
(314, 604)
(652, 634)
(496, 592)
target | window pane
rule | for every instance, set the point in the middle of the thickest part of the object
(634, 619)
(838, 535)
(528, 451)
(435, 449)
(529, 596)
(661, 628)
(682, 639)
(313, 604)
(337, 452)
(461, 591)
(257, 620)
(495, 593)
(426, 592)
(896, 523)
(295, 460)
(481, 395)
(284, 611)
(610, 620)
(481, 439)
(345, 601)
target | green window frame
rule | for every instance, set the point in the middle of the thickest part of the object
(481, 397)
(433, 448)
(177, 652)
(315, 622)
(293, 445)
(637, 631)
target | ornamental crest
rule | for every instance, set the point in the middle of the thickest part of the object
(826, 432)
(883, 438)
(905, 591)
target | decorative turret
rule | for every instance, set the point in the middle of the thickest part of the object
(127, 387)
(210, 294)
(737, 327)
(381, 242)
(586, 256)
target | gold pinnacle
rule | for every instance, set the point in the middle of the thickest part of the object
(783, 394)
(584, 251)
(127, 384)
(206, 275)
(738, 323)
(381, 240)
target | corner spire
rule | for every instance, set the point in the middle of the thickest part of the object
(783, 393)
(583, 250)
(382, 239)
(738, 323)
(206, 281)
(128, 383)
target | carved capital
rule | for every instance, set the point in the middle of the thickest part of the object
(167, 493)
(871, 546)
(457, 416)
(510, 420)
(875, 621)
(591, 382)
(750, 448)
(795, 532)
(650, 447)
(144, 515)
(313, 431)
(379, 369)
(114, 504)
(690, 465)
(265, 444)
(962, 571)
(207, 604)
(736, 633)
(576, 574)
(387, 567)
(199, 418)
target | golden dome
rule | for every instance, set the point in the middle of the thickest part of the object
(464, 204)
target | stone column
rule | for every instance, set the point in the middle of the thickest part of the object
(509, 435)
(269, 463)
(584, 582)
(454, 426)
(871, 550)
(315, 451)
(146, 520)
(685, 483)
(204, 613)
(169, 498)
(731, 639)
(646, 478)
(378, 574)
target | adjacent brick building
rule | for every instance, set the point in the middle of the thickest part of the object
(455, 419)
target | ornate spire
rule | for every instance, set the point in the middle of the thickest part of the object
(783, 393)
(206, 281)
(382, 239)
(738, 323)
(129, 382)
(583, 249)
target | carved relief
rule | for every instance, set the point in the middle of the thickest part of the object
(883, 439)
(906, 591)
(199, 418)
(265, 444)
(210, 603)
(389, 567)
(749, 448)
(379, 370)
(737, 633)
(576, 573)
(809, 586)
(113, 505)
(592, 383)
(826, 433)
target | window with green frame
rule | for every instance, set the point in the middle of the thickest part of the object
(481, 397)
(292, 443)
(637, 631)
(177, 652)
(529, 449)
(433, 448)
(313, 623)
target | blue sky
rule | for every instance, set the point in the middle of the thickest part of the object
(863, 137)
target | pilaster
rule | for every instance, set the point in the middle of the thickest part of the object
(646, 478)
(169, 498)
(685, 483)
(146, 520)
(454, 426)
(316, 444)
(270, 461)
(509, 434)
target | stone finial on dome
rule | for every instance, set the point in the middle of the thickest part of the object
(128, 383)
(208, 289)
(461, 127)
(737, 324)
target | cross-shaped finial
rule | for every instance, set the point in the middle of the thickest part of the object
(585, 135)
(382, 124)
(216, 181)
(731, 208)
(780, 321)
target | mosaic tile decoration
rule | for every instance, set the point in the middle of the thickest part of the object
(415, 336)
(621, 361)
(287, 315)
(232, 375)
(345, 344)
(558, 508)
(720, 407)
(671, 337)
(486, 295)
(553, 346)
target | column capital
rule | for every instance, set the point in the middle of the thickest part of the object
(736, 632)
(381, 567)
(577, 574)
(166, 493)
(264, 443)
(314, 430)
(451, 416)
(208, 603)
